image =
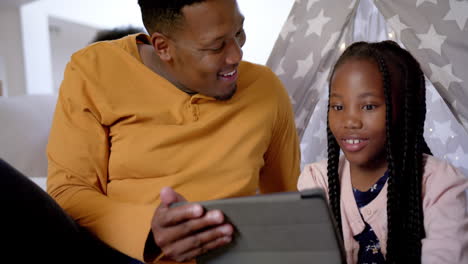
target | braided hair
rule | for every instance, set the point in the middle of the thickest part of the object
(404, 146)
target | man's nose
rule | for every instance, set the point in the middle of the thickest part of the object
(234, 55)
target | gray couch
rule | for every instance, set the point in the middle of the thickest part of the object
(24, 129)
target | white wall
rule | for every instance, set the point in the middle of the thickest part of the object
(3, 79)
(12, 70)
(264, 20)
(36, 46)
(66, 38)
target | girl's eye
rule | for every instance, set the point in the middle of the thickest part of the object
(369, 107)
(337, 107)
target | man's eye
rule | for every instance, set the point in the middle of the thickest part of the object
(239, 33)
(218, 49)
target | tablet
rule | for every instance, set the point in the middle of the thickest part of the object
(292, 227)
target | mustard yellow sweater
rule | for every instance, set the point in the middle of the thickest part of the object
(121, 132)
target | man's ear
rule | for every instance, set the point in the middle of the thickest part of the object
(161, 46)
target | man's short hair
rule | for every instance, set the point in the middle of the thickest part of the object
(163, 16)
(116, 33)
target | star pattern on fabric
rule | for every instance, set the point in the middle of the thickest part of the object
(299, 120)
(321, 130)
(431, 91)
(293, 102)
(431, 40)
(279, 69)
(316, 24)
(310, 3)
(303, 145)
(303, 66)
(442, 131)
(443, 75)
(458, 11)
(289, 26)
(458, 158)
(292, 39)
(419, 2)
(397, 26)
(457, 105)
(321, 79)
(435, 98)
(317, 107)
(332, 40)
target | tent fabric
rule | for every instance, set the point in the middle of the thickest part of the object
(306, 49)
(436, 33)
(316, 33)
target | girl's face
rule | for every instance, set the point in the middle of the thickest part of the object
(357, 112)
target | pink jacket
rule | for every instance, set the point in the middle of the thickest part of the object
(444, 205)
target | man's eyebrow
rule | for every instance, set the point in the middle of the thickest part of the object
(335, 95)
(211, 42)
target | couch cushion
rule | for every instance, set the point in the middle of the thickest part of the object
(24, 130)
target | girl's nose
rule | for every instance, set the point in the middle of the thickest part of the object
(352, 122)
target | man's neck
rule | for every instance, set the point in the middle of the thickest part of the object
(153, 62)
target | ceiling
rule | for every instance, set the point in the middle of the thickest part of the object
(14, 3)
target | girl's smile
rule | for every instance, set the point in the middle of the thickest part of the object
(354, 144)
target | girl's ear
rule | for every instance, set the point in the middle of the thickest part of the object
(161, 46)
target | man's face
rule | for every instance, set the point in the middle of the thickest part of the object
(207, 50)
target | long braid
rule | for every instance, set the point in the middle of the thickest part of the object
(411, 188)
(414, 207)
(393, 207)
(415, 210)
(408, 180)
(334, 187)
(334, 178)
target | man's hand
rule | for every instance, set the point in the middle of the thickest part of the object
(186, 231)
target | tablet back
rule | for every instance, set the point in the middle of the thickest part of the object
(294, 227)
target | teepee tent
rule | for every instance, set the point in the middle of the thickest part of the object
(434, 31)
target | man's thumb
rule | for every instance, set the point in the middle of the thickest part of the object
(169, 196)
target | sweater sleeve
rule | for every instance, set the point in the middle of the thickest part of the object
(78, 155)
(314, 175)
(282, 160)
(445, 214)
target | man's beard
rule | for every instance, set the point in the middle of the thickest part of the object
(227, 96)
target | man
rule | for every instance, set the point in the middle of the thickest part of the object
(146, 121)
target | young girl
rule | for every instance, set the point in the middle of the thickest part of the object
(393, 201)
